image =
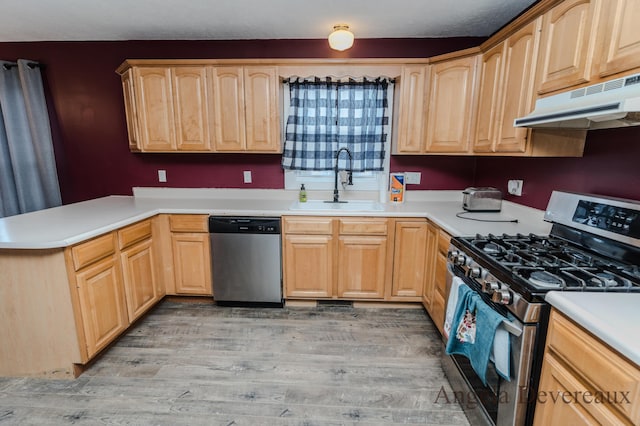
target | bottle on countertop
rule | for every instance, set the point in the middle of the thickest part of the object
(303, 194)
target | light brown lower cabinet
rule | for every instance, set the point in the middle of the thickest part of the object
(103, 310)
(139, 280)
(112, 282)
(308, 266)
(409, 258)
(191, 255)
(584, 381)
(191, 263)
(353, 258)
(362, 262)
(435, 286)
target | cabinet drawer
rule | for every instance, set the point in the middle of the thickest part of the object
(134, 233)
(443, 242)
(86, 253)
(189, 223)
(602, 368)
(363, 226)
(308, 225)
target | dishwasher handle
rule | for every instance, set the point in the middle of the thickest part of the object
(244, 225)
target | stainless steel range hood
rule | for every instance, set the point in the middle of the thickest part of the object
(613, 103)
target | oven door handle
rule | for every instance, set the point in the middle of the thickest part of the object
(512, 328)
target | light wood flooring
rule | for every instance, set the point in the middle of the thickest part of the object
(199, 364)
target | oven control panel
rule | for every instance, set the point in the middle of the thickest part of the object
(611, 218)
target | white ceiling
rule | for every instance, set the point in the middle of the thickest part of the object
(76, 20)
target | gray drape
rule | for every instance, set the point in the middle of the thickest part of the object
(28, 176)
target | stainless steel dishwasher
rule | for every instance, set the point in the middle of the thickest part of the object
(246, 260)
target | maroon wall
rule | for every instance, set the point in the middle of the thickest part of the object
(88, 114)
(93, 157)
(610, 166)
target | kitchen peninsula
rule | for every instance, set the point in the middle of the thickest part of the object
(47, 256)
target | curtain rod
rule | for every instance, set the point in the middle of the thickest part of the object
(31, 65)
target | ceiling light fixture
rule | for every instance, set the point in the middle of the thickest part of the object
(341, 38)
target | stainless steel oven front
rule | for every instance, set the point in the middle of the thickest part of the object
(499, 402)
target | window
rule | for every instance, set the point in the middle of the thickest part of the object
(324, 115)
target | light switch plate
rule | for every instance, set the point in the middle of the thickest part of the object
(162, 175)
(247, 176)
(413, 178)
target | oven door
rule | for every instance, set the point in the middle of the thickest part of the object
(499, 402)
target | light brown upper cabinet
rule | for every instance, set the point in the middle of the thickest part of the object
(451, 101)
(130, 110)
(567, 45)
(189, 85)
(228, 108)
(246, 109)
(197, 108)
(154, 109)
(261, 95)
(166, 109)
(411, 109)
(618, 48)
(507, 92)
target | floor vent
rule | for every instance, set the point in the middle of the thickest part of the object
(343, 303)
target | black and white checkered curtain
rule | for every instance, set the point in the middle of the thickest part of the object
(326, 115)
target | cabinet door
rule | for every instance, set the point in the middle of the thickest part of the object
(308, 266)
(619, 37)
(102, 303)
(261, 109)
(411, 114)
(155, 109)
(130, 110)
(228, 108)
(192, 263)
(362, 266)
(452, 98)
(520, 54)
(409, 258)
(436, 287)
(139, 280)
(567, 45)
(489, 102)
(191, 109)
(558, 382)
(430, 263)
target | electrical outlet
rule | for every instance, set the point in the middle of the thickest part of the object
(515, 187)
(412, 178)
(162, 175)
(247, 176)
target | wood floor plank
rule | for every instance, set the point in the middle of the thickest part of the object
(202, 364)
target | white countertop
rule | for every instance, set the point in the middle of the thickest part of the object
(69, 224)
(612, 317)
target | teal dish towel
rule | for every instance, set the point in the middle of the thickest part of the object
(473, 330)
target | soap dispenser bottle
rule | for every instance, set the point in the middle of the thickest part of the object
(303, 194)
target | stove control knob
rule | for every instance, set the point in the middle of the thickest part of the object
(476, 272)
(501, 296)
(457, 257)
(490, 287)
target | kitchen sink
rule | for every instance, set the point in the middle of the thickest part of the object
(351, 205)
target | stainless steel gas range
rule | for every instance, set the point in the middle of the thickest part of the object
(593, 246)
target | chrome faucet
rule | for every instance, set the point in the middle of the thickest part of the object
(336, 194)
